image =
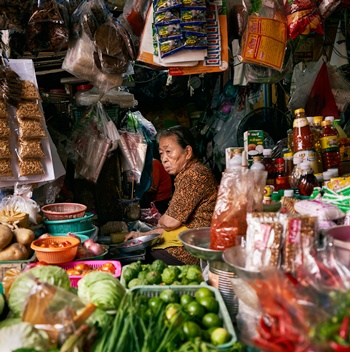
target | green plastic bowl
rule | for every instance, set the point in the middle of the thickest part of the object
(71, 225)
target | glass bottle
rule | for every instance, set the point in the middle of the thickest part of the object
(307, 180)
(330, 146)
(316, 133)
(281, 177)
(269, 166)
(294, 178)
(288, 163)
(302, 137)
(257, 164)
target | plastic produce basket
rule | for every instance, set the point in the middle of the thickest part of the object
(87, 233)
(154, 291)
(95, 264)
(70, 225)
(55, 255)
(63, 211)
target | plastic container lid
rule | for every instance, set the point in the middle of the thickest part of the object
(318, 119)
(275, 196)
(289, 193)
(288, 155)
(329, 118)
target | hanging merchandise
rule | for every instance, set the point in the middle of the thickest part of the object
(49, 23)
(265, 37)
(303, 18)
(93, 137)
(320, 100)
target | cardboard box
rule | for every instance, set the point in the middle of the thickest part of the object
(253, 143)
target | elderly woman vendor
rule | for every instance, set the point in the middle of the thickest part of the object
(193, 201)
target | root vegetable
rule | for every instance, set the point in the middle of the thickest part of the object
(16, 251)
(94, 247)
(5, 236)
(24, 236)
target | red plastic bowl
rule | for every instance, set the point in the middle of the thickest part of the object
(63, 211)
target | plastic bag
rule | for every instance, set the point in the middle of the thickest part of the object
(135, 13)
(93, 138)
(238, 193)
(19, 202)
(10, 84)
(79, 61)
(265, 36)
(303, 18)
(321, 100)
(150, 215)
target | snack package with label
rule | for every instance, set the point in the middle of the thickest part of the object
(322, 210)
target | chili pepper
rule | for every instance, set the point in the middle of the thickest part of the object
(268, 346)
(343, 333)
(265, 330)
(337, 347)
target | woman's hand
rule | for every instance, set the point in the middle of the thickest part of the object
(134, 234)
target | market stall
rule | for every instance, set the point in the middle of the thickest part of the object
(86, 88)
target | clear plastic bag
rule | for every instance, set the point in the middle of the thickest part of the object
(239, 193)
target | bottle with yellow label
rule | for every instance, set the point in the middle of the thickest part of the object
(330, 146)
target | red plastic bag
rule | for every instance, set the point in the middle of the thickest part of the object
(321, 101)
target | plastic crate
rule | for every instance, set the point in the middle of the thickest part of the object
(70, 225)
(15, 264)
(154, 291)
(95, 264)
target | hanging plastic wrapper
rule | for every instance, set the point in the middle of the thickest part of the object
(239, 193)
(10, 84)
(265, 36)
(93, 139)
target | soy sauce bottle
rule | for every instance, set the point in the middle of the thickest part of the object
(308, 181)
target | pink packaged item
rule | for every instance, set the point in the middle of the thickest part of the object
(323, 211)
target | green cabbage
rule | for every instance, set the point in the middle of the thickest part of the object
(101, 289)
(23, 335)
(23, 284)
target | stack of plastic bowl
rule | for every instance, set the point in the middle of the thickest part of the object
(63, 218)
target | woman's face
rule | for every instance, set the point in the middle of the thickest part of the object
(172, 155)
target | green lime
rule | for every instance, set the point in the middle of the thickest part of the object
(154, 303)
(207, 334)
(173, 315)
(186, 298)
(204, 292)
(195, 309)
(209, 303)
(219, 336)
(169, 296)
(211, 320)
(191, 330)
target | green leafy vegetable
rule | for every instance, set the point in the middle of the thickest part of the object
(23, 335)
(101, 289)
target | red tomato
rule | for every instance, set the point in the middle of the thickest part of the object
(83, 267)
(107, 267)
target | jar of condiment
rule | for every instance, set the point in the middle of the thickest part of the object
(330, 146)
(281, 181)
(307, 180)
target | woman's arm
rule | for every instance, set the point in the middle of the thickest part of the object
(135, 234)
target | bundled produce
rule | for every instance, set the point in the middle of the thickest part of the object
(159, 273)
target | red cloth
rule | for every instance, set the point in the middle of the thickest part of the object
(161, 181)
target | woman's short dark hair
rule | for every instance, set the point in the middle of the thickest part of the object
(183, 135)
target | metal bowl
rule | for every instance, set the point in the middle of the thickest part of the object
(146, 241)
(236, 257)
(197, 242)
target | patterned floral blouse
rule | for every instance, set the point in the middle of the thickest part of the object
(194, 197)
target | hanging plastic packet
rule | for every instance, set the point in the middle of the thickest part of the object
(200, 4)
(169, 31)
(193, 15)
(167, 17)
(10, 84)
(265, 36)
(170, 47)
(165, 5)
(194, 42)
(194, 29)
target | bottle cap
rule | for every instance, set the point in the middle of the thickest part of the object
(267, 152)
(288, 193)
(337, 122)
(310, 119)
(237, 151)
(275, 196)
(298, 111)
(256, 158)
(327, 175)
(318, 119)
(329, 118)
(297, 160)
(326, 123)
(305, 165)
(287, 155)
(334, 171)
